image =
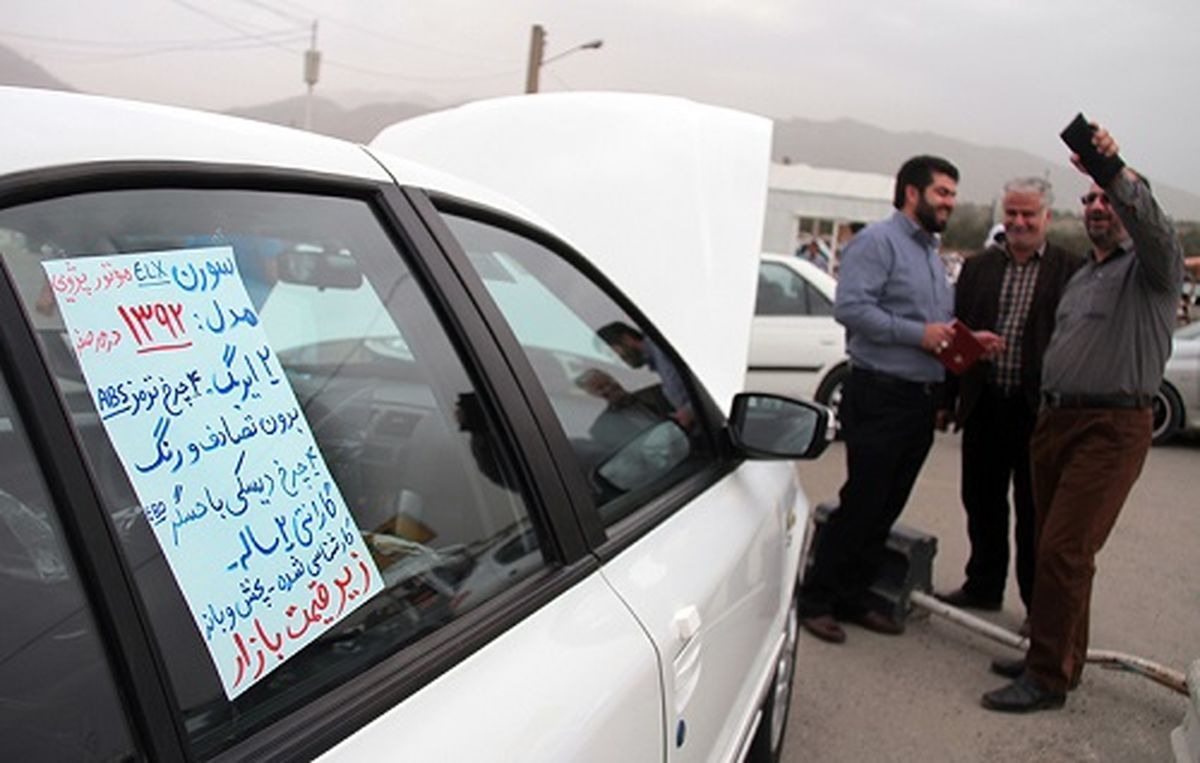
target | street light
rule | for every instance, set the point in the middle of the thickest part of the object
(537, 47)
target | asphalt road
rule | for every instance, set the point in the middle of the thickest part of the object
(916, 697)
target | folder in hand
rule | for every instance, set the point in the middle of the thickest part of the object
(964, 349)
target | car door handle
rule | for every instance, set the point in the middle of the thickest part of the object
(687, 624)
(688, 660)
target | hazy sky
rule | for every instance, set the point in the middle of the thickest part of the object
(993, 72)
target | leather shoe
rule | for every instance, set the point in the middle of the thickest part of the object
(824, 627)
(964, 599)
(879, 623)
(1023, 696)
(1008, 667)
(1014, 667)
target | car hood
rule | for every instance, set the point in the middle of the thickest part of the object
(666, 196)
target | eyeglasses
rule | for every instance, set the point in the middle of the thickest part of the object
(1092, 198)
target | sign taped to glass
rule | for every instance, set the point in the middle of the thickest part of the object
(218, 451)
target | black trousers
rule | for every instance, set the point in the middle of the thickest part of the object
(888, 430)
(995, 454)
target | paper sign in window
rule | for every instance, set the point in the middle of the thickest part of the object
(219, 453)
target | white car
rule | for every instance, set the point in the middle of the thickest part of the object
(1177, 405)
(316, 450)
(796, 347)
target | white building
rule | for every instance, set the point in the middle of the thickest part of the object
(804, 201)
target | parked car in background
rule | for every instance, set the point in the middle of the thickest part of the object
(364, 478)
(1177, 404)
(796, 347)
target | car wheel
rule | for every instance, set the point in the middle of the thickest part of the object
(829, 393)
(768, 739)
(1168, 414)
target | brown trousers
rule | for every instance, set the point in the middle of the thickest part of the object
(1085, 462)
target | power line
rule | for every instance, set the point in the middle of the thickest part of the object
(415, 78)
(125, 45)
(218, 19)
(374, 32)
(281, 14)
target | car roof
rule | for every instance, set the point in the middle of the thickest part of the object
(824, 282)
(665, 196)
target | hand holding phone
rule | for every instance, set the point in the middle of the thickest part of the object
(1078, 137)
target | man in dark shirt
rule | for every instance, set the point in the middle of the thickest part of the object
(1111, 340)
(1013, 289)
(895, 301)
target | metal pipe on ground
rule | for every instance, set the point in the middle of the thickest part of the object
(1172, 679)
(906, 579)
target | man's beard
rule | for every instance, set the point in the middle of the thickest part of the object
(1105, 238)
(927, 216)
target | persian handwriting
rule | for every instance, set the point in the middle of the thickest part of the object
(225, 468)
(72, 283)
(224, 617)
(151, 393)
(221, 319)
(102, 341)
(204, 276)
(255, 644)
(299, 528)
(217, 435)
(156, 326)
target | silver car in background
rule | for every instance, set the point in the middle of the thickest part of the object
(1177, 405)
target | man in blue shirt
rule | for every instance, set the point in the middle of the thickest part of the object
(896, 303)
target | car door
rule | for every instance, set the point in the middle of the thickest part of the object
(701, 548)
(794, 339)
(495, 634)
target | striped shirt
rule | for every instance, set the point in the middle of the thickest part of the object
(1016, 295)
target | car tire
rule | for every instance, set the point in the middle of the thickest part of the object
(767, 746)
(1168, 414)
(829, 392)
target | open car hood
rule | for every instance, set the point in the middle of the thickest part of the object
(664, 195)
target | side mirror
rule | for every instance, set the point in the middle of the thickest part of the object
(324, 270)
(772, 426)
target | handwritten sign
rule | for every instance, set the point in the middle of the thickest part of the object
(218, 451)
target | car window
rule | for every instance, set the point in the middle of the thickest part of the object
(400, 429)
(621, 398)
(818, 303)
(780, 291)
(57, 696)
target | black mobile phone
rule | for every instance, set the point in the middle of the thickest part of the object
(1078, 137)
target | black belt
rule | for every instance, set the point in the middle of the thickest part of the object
(879, 377)
(1061, 400)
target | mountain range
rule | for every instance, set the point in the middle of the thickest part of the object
(842, 144)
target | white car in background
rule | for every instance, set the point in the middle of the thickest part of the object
(580, 561)
(796, 347)
(1177, 404)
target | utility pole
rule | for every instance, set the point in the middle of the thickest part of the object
(312, 73)
(537, 46)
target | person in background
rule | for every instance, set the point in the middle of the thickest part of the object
(1104, 363)
(1011, 288)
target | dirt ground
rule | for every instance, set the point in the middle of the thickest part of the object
(916, 697)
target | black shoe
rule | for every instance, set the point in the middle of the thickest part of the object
(824, 627)
(1014, 667)
(874, 621)
(1009, 668)
(1023, 696)
(963, 599)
